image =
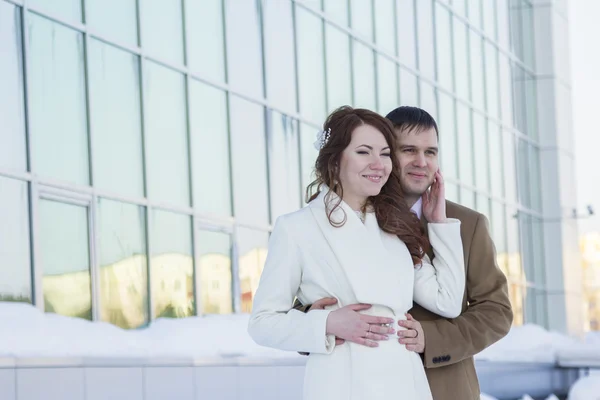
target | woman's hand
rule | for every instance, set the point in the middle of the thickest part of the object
(346, 323)
(434, 200)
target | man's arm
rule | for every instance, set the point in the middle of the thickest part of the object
(301, 307)
(488, 317)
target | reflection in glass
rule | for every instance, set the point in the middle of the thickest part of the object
(461, 59)
(15, 274)
(311, 68)
(308, 155)
(65, 258)
(387, 85)
(385, 31)
(407, 41)
(465, 144)
(12, 109)
(214, 257)
(409, 90)
(57, 89)
(425, 37)
(114, 18)
(363, 60)
(116, 120)
(209, 136)
(443, 45)
(244, 49)
(166, 135)
(280, 66)
(165, 42)
(172, 265)
(249, 157)
(123, 264)
(252, 251)
(66, 9)
(361, 12)
(446, 124)
(205, 38)
(284, 164)
(480, 146)
(337, 57)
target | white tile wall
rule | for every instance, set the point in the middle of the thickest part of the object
(114, 384)
(216, 383)
(162, 383)
(50, 384)
(8, 384)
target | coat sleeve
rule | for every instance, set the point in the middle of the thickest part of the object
(488, 316)
(272, 323)
(439, 286)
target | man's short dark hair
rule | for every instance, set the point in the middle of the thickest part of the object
(412, 119)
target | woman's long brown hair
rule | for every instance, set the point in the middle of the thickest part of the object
(393, 215)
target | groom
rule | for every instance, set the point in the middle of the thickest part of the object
(447, 346)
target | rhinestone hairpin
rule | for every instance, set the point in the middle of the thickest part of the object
(322, 138)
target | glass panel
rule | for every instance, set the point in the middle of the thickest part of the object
(214, 257)
(166, 42)
(172, 266)
(519, 98)
(480, 147)
(316, 4)
(284, 164)
(361, 12)
(503, 24)
(528, 38)
(115, 92)
(385, 30)
(483, 205)
(337, 56)
(114, 18)
(407, 41)
(425, 36)
(465, 144)
(409, 91)
(252, 250)
(489, 18)
(428, 101)
(461, 60)
(206, 40)
(123, 264)
(496, 159)
(337, 10)
(460, 7)
(15, 256)
(364, 76)
(57, 88)
(498, 232)
(244, 49)
(12, 109)
(66, 9)
(280, 65)
(534, 170)
(308, 155)
(448, 146)
(209, 137)
(387, 85)
(476, 73)
(467, 198)
(523, 178)
(474, 11)
(506, 90)
(64, 247)
(491, 77)
(515, 275)
(510, 167)
(452, 192)
(443, 46)
(311, 72)
(166, 135)
(248, 152)
(531, 103)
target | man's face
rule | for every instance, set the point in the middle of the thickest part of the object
(418, 156)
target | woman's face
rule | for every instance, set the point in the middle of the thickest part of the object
(365, 165)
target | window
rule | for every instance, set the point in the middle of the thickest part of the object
(480, 145)
(65, 259)
(425, 36)
(67, 9)
(205, 37)
(491, 76)
(448, 146)
(209, 142)
(12, 111)
(15, 255)
(172, 265)
(308, 155)
(387, 85)
(496, 163)
(474, 12)
(337, 57)
(506, 90)
(362, 18)
(114, 18)
(363, 60)
(428, 99)
(407, 46)
(57, 88)
(214, 267)
(249, 155)
(337, 10)
(409, 91)
(166, 135)
(489, 18)
(461, 60)
(123, 264)
(252, 250)
(443, 45)
(385, 30)
(116, 120)
(510, 167)
(465, 144)
(167, 42)
(476, 72)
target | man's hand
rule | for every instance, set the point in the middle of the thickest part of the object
(434, 200)
(347, 324)
(320, 305)
(413, 337)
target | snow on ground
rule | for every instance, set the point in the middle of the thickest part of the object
(586, 388)
(487, 397)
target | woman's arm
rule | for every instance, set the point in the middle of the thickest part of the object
(440, 286)
(272, 323)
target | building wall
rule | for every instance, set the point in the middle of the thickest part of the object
(144, 140)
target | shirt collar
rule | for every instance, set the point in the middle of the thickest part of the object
(417, 208)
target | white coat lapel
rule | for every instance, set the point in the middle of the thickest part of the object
(371, 269)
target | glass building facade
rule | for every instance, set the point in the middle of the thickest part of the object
(147, 147)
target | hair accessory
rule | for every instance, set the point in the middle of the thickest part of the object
(322, 139)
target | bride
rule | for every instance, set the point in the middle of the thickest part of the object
(356, 241)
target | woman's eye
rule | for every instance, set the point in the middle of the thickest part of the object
(387, 155)
(362, 152)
